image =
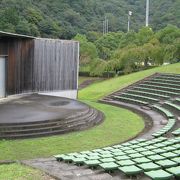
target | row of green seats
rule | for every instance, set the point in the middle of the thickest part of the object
(132, 157)
(148, 93)
(171, 89)
(130, 100)
(157, 91)
(161, 83)
(164, 80)
(140, 96)
(164, 111)
(177, 107)
(167, 77)
(176, 132)
(166, 129)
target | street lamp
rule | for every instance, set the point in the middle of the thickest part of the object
(147, 13)
(129, 18)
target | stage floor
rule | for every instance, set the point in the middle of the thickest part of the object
(34, 108)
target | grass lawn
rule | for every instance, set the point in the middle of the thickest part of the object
(19, 172)
(120, 125)
(101, 89)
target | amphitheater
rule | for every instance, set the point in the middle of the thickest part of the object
(153, 154)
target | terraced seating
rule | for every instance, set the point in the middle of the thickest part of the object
(157, 79)
(130, 100)
(167, 128)
(168, 93)
(177, 107)
(171, 89)
(140, 97)
(163, 111)
(163, 84)
(133, 157)
(176, 132)
(148, 94)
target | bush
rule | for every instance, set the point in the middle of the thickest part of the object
(109, 74)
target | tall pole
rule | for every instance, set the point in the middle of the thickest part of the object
(147, 13)
(105, 26)
(129, 19)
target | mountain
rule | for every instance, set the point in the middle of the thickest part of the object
(65, 18)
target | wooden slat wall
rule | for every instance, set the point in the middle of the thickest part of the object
(40, 64)
(55, 63)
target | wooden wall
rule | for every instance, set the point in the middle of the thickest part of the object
(37, 65)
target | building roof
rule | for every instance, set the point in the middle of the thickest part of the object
(8, 34)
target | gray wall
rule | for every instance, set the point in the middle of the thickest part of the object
(55, 65)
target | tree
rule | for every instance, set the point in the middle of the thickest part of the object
(88, 50)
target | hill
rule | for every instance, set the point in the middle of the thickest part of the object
(64, 19)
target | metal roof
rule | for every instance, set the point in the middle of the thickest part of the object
(8, 34)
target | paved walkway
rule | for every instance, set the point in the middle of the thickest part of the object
(64, 171)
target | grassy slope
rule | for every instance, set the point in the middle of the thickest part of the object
(98, 90)
(19, 172)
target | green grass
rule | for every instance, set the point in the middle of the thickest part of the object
(119, 125)
(100, 89)
(19, 172)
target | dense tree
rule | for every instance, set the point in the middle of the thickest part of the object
(71, 17)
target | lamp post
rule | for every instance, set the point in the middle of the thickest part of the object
(129, 19)
(147, 13)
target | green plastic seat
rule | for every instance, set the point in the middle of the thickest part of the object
(125, 148)
(130, 170)
(130, 151)
(159, 151)
(122, 157)
(142, 160)
(68, 158)
(126, 162)
(149, 166)
(79, 160)
(175, 171)
(169, 148)
(108, 148)
(135, 146)
(148, 153)
(120, 153)
(92, 163)
(93, 157)
(176, 159)
(166, 163)
(159, 175)
(135, 155)
(81, 156)
(85, 152)
(156, 157)
(177, 152)
(106, 155)
(169, 155)
(141, 149)
(106, 160)
(60, 157)
(109, 166)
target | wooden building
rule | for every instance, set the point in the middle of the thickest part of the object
(29, 64)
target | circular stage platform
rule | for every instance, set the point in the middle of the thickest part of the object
(39, 115)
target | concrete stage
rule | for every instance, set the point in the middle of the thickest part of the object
(40, 115)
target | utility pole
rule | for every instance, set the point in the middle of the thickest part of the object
(147, 13)
(129, 19)
(105, 26)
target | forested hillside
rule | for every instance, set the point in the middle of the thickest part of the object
(65, 18)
